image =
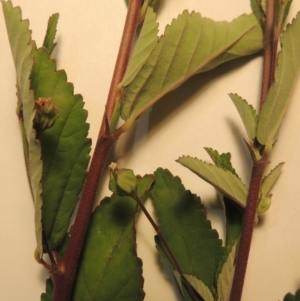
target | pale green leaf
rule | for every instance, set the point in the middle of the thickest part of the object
(270, 179)
(225, 278)
(221, 160)
(200, 287)
(258, 11)
(191, 44)
(247, 113)
(65, 147)
(278, 97)
(223, 180)
(21, 45)
(51, 32)
(146, 42)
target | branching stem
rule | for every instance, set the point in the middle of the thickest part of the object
(164, 242)
(63, 273)
(259, 166)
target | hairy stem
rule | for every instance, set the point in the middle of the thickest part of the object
(163, 240)
(259, 166)
(63, 274)
(269, 59)
(248, 226)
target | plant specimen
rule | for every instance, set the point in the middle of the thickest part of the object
(53, 125)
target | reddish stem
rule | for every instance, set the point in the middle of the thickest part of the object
(248, 225)
(63, 274)
(269, 59)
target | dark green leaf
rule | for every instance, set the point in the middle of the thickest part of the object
(51, 32)
(290, 297)
(65, 147)
(183, 222)
(110, 269)
(49, 291)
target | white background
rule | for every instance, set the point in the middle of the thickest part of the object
(197, 115)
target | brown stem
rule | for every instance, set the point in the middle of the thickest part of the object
(269, 59)
(163, 240)
(248, 225)
(130, 26)
(63, 274)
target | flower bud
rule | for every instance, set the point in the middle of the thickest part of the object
(123, 179)
(264, 204)
(46, 114)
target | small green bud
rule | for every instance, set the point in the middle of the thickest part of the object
(46, 114)
(264, 204)
(123, 179)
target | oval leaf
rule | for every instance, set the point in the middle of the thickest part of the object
(191, 44)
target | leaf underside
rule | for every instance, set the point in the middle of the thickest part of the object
(21, 45)
(270, 179)
(65, 148)
(247, 114)
(182, 220)
(191, 44)
(276, 103)
(223, 180)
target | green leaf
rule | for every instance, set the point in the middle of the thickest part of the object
(221, 160)
(278, 97)
(224, 280)
(270, 179)
(65, 147)
(182, 220)
(49, 291)
(146, 42)
(109, 268)
(51, 32)
(290, 297)
(144, 184)
(258, 11)
(223, 180)
(247, 113)
(191, 44)
(20, 41)
(200, 287)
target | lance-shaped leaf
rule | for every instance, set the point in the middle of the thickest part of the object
(182, 220)
(20, 41)
(247, 113)
(51, 32)
(110, 269)
(191, 44)
(270, 179)
(224, 279)
(278, 97)
(146, 42)
(223, 180)
(65, 147)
